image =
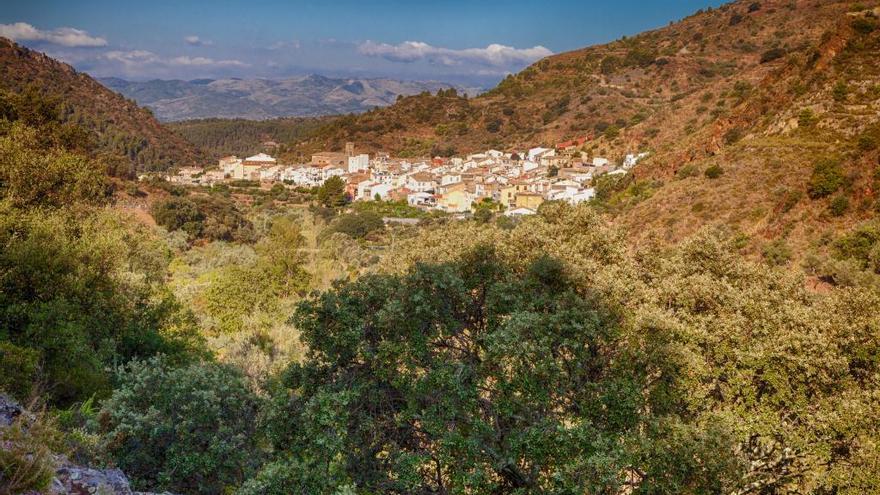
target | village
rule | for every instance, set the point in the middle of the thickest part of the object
(517, 181)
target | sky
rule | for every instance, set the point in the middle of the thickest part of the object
(473, 43)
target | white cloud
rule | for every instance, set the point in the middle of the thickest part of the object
(281, 45)
(493, 55)
(65, 36)
(143, 57)
(131, 57)
(196, 41)
(205, 62)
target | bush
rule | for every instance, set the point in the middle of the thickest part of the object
(84, 293)
(840, 91)
(777, 253)
(807, 118)
(826, 179)
(358, 225)
(188, 430)
(867, 142)
(556, 380)
(19, 367)
(772, 54)
(689, 170)
(838, 206)
(732, 135)
(714, 171)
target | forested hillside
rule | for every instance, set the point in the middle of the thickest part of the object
(119, 127)
(223, 137)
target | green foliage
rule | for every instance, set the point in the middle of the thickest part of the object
(19, 370)
(500, 379)
(838, 206)
(759, 349)
(31, 175)
(389, 208)
(777, 253)
(733, 135)
(188, 429)
(358, 225)
(611, 132)
(840, 91)
(862, 245)
(713, 171)
(213, 217)
(332, 192)
(807, 118)
(689, 170)
(864, 25)
(244, 137)
(84, 291)
(237, 291)
(826, 179)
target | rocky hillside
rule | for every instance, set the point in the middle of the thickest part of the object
(763, 92)
(259, 99)
(119, 125)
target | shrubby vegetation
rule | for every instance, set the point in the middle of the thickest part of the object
(190, 429)
(211, 217)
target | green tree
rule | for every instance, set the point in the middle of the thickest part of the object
(332, 192)
(826, 179)
(469, 376)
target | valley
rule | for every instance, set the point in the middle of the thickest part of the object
(647, 266)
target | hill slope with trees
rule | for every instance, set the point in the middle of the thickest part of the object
(118, 125)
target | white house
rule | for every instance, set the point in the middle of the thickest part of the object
(358, 163)
(421, 182)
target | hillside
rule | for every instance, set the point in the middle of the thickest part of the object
(240, 137)
(762, 89)
(119, 125)
(258, 99)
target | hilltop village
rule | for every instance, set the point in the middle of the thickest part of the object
(518, 181)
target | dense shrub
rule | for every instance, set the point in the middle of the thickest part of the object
(214, 218)
(83, 292)
(31, 175)
(507, 379)
(733, 135)
(838, 206)
(358, 225)
(714, 171)
(188, 430)
(826, 179)
(772, 54)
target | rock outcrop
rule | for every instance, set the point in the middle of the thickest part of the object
(70, 479)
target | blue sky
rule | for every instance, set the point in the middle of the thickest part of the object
(470, 42)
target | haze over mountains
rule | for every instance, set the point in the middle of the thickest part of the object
(259, 99)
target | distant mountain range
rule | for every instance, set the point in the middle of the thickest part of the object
(259, 99)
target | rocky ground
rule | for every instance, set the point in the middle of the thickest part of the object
(71, 479)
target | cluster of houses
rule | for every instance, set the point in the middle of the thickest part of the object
(519, 181)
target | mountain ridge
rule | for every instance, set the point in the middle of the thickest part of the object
(262, 98)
